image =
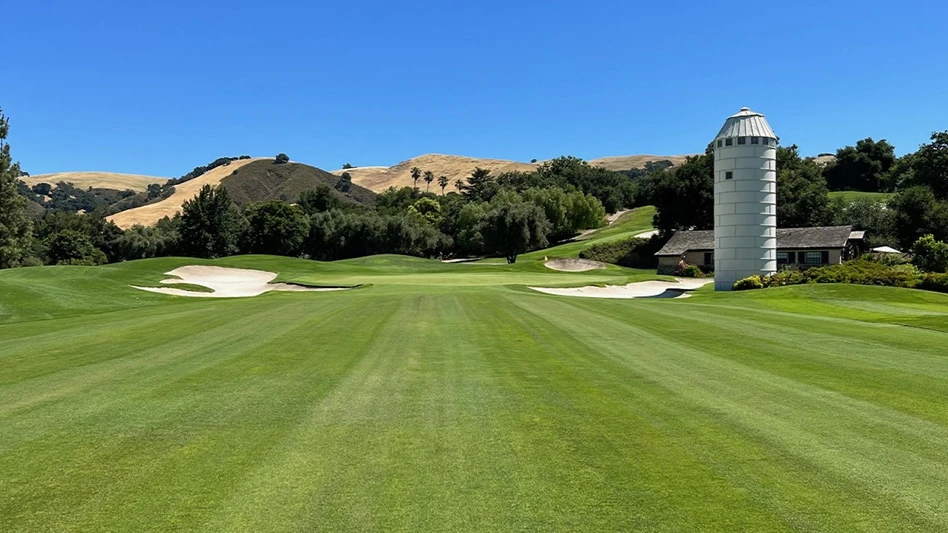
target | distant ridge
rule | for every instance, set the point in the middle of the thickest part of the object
(379, 178)
(97, 180)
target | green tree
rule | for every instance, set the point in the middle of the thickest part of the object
(930, 255)
(209, 224)
(426, 210)
(442, 182)
(346, 166)
(429, 177)
(319, 199)
(481, 186)
(514, 228)
(930, 165)
(917, 213)
(281, 158)
(864, 167)
(459, 185)
(415, 176)
(802, 196)
(16, 228)
(70, 247)
(684, 197)
(276, 228)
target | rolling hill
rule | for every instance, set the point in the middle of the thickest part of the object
(379, 178)
(97, 180)
(247, 180)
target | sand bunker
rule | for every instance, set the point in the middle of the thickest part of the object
(574, 265)
(643, 289)
(226, 282)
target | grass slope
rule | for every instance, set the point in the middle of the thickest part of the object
(97, 180)
(628, 225)
(265, 180)
(467, 403)
(850, 196)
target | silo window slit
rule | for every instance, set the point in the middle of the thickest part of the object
(728, 175)
(755, 140)
(742, 140)
(728, 142)
(720, 143)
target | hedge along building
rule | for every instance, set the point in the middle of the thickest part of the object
(745, 199)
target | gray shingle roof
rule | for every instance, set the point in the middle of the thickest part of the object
(745, 123)
(787, 238)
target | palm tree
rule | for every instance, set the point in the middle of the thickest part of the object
(459, 184)
(415, 174)
(429, 177)
(443, 182)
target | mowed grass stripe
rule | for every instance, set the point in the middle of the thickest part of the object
(198, 403)
(832, 438)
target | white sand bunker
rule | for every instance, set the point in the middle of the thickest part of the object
(226, 282)
(643, 289)
(574, 265)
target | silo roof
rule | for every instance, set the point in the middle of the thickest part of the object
(746, 123)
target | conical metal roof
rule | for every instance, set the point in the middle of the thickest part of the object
(746, 123)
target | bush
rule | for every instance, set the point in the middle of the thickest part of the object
(930, 255)
(749, 283)
(932, 281)
(684, 270)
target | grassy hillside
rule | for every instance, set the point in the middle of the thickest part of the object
(97, 180)
(264, 180)
(450, 397)
(850, 196)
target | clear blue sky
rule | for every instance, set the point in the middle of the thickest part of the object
(163, 87)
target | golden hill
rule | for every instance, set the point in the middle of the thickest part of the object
(97, 180)
(459, 167)
(150, 214)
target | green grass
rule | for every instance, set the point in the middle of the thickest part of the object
(850, 196)
(451, 397)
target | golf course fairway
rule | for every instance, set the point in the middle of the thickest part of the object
(438, 397)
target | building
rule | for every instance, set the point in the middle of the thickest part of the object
(802, 247)
(745, 199)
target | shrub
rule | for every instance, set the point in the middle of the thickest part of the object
(685, 270)
(749, 283)
(930, 255)
(933, 281)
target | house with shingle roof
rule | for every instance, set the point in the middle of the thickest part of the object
(802, 247)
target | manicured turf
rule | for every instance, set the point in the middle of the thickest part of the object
(628, 225)
(851, 196)
(450, 397)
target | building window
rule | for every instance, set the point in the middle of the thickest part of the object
(783, 258)
(728, 175)
(755, 140)
(815, 258)
(742, 140)
(720, 143)
(709, 258)
(728, 142)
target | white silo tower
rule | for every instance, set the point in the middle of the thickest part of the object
(745, 199)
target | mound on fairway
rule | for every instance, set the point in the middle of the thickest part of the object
(574, 265)
(227, 282)
(643, 289)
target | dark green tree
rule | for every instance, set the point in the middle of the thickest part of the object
(276, 228)
(930, 165)
(16, 228)
(864, 167)
(319, 199)
(684, 197)
(209, 224)
(930, 255)
(918, 213)
(415, 176)
(281, 158)
(511, 229)
(802, 196)
(442, 182)
(70, 247)
(481, 186)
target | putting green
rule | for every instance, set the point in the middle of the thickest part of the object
(451, 397)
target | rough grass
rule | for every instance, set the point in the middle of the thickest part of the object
(450, 397)
(265, 180)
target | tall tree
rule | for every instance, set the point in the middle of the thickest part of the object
(481, 186)
(511, 229)
(16, 228)
(429, 177)
(459, 184)
(684, 197)
(415, 175)
(442, 182)
(930, 165)
(276, 228)
(802, 196)
(209, 224)
(864, 167)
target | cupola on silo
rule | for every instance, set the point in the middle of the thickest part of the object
(745, 199)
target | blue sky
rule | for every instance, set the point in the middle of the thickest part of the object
(161, 87)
